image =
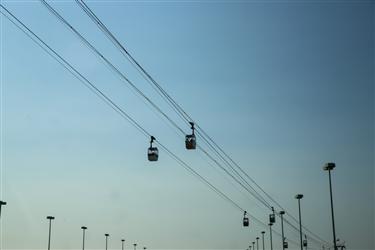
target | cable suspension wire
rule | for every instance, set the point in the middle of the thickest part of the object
(187, 118)
(178, 108)
(19, 24)
(36, 39)
(117, 71)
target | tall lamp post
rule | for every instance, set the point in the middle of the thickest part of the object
(328, 167)
(83, 237)
(270, 224)
(122, 244)
(299, 197)
(135, 246)
(282, 227)
(257, 238)
(106, 241)
(253, 245)
(2, 203)
(50, 218)
(263, 239)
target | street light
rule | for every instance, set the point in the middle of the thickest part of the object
(83, 237)
(106, 241)
(270, 224)
(328, 167)
(135, 246)
(253, 245)
(257, 238)
(2, 203)
(299, 197)
(263, 239)
(50, 218)
(122, 244)
(282, 227)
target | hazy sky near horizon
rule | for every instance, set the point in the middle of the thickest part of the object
(282, 86)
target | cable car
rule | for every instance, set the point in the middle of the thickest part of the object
(245, 220)
(285, 244)
(305, 243)
(152, 152)
(190, 140)
(272, 218)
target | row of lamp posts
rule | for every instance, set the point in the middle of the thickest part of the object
(327, 167)
(50, 218)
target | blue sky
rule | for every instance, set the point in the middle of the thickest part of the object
(283, 86)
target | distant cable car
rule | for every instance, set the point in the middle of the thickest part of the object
(285, 244)
(272, 216)
(245, 220)
(305, 243)
(153, 152)
(190, 140)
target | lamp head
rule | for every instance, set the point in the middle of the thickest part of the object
(106, 235)
(84, 228)
(263, 232)
(282, 212)
(299, 196)
(122, 240)
(50, 217)
(3, 203)
(329, 166)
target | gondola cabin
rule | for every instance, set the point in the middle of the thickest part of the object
(191, 140)
(272, 218)
(285, 244)
(305, 243)
(152, 152)
(245, 220)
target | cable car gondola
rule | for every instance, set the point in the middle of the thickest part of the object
(245, 220)
(285, 244)
(190, 140)
(272, 216)
(152, 152)
(305, 243)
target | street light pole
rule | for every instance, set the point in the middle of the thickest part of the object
(2, 203)
(257, 238)
(253, 245)
(270, 224)
(50, 218)
(106, 241)
(263, 239)
(122, 244)
(328, 167)
(299, 197)
(83, 237)
(135, 246)
(282, 227)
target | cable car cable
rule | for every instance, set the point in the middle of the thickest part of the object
(36, 39)
(19, 24)
(116, 70)
(165, 95)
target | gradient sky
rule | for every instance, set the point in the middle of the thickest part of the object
(283, 86)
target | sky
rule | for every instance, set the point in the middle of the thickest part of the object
(282, 86)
